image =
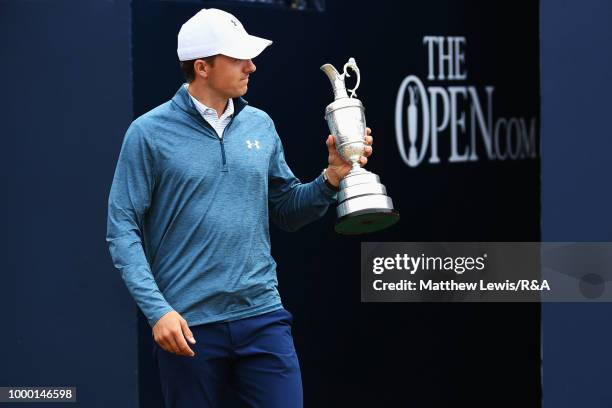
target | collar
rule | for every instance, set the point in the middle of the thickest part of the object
(183, 100)
(207, 110)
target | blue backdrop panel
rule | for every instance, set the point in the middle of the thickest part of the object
(66, 78)
(576, 198)
(355, 354)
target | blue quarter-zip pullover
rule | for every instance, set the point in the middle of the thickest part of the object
(188, 212)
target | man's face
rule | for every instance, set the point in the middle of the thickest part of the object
(229, 77)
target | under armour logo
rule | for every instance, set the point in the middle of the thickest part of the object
(251, 144)
(234, 23)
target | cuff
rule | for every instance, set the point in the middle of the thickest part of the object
(326, 188)
(158, 315)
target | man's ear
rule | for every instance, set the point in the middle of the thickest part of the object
(201, 68)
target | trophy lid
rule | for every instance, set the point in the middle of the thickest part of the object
(337, 79)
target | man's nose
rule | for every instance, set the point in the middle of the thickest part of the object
(250, 67)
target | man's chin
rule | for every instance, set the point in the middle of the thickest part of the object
(240, 93)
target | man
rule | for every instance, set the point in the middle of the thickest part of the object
(196, 182)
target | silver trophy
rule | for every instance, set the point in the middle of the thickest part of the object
(363, 204)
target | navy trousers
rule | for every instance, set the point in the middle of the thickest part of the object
(253, 357)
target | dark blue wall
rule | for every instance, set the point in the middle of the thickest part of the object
(352, 353)
(66, 87)
(576, 196)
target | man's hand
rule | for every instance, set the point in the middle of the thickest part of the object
(337, 167)
(170, 332)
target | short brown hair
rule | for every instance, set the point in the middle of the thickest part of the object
(187, 67)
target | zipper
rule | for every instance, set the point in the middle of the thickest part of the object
(207, 125)
(222, 151)
(223, 158)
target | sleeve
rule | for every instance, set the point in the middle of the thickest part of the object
(294, 204)
(128, 202)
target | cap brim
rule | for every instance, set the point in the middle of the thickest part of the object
(247, 47)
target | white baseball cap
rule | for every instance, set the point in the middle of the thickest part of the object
(212, 32)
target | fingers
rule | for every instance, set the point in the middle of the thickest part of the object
(332, 153)
(175, 338)
(367, 152)
(183, 348)
(331, 143)
(187, 332)
(161, 337)
(172, 345)
(166, 341)
(163, 344)
(174, 342)
(170, 333)
(368, 140)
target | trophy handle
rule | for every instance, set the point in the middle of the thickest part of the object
(352, 65)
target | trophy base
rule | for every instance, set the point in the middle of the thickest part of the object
(366, 221)
(363, 204)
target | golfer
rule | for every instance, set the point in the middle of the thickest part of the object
(197, 181)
